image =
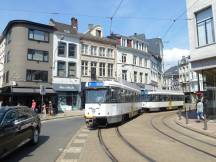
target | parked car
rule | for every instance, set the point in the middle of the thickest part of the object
(18, 125)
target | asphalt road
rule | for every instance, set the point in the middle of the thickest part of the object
(54, 137)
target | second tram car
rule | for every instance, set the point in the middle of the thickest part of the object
(110, 102)
(161, 100)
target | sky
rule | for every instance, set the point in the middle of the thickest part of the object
(151, 17)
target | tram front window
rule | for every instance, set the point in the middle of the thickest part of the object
(96, 95)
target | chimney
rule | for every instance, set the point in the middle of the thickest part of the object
(90, 26)
(74, 25)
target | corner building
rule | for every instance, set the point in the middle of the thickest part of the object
(202, 30)
(27, 62)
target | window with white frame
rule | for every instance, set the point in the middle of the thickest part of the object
(93, 50)
(102, 69)
(134, 60)
(84, 68)
(141, 77)
(62, 49)
(110, 70)
(61, 69)
(146, 78)
(124, 58)
(205, 27)
(135, 76)
(84, 49)
(110, 53)
(102, 51)
(72, 50)
(124, 74)
(71, 69)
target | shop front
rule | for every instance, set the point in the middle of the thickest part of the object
(68, 96)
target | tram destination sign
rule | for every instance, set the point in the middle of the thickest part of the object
(95, 84)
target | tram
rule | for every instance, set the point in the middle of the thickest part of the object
(110, 102)
(161, 100)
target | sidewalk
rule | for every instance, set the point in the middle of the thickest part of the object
(62, 115)
(197, 126)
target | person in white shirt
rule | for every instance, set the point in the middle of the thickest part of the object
(200, 110)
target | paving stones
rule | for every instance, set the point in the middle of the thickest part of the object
(74, 148)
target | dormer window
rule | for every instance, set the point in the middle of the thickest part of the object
(98, 33)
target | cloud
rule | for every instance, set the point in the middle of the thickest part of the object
(172, 56)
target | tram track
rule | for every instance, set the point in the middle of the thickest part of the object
(105, 148)
(111, 155)
(158, 129)
(184, 134)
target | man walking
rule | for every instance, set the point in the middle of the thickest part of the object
(200, 110)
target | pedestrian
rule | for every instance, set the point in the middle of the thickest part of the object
(33, 105)
(200, 110)
(44, 110)
(50, 108)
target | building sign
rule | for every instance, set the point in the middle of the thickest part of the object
(42, 90)
(66, 87)
(94, 84)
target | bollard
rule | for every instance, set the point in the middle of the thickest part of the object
(205, 123)
(186, 115)
(179, 113)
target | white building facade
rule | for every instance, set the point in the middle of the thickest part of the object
(188, 79)
(202, 36)
(66, 68)
(133, 60)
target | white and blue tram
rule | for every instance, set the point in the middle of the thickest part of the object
(110, 102)
(161, 100)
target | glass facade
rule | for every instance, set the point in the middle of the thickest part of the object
(68, 101)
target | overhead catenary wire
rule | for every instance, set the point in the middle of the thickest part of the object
(114, 13)
(177, 19)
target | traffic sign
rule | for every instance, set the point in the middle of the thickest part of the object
(42, 90)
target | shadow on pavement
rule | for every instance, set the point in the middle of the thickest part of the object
(191, 114)
(24, 151)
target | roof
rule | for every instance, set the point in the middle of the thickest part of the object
(172, 71)
(166, 92)
(125, 85)
(25, 22)
(65, 28)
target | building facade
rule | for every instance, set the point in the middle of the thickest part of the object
(98, 56)
(188, 80)
(155, 49)
(202, 29)
(133, 60)
(27, 62)
(171, 79)
(2, 55)
(66, 65)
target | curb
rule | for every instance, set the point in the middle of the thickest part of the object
(195, 130)
(47, 119)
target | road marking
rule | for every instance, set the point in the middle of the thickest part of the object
(74, 150)
(79, 141)
(85, 130)
(82, 135)
(68, 160)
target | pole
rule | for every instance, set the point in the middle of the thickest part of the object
(42, 100)
(205, 123)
